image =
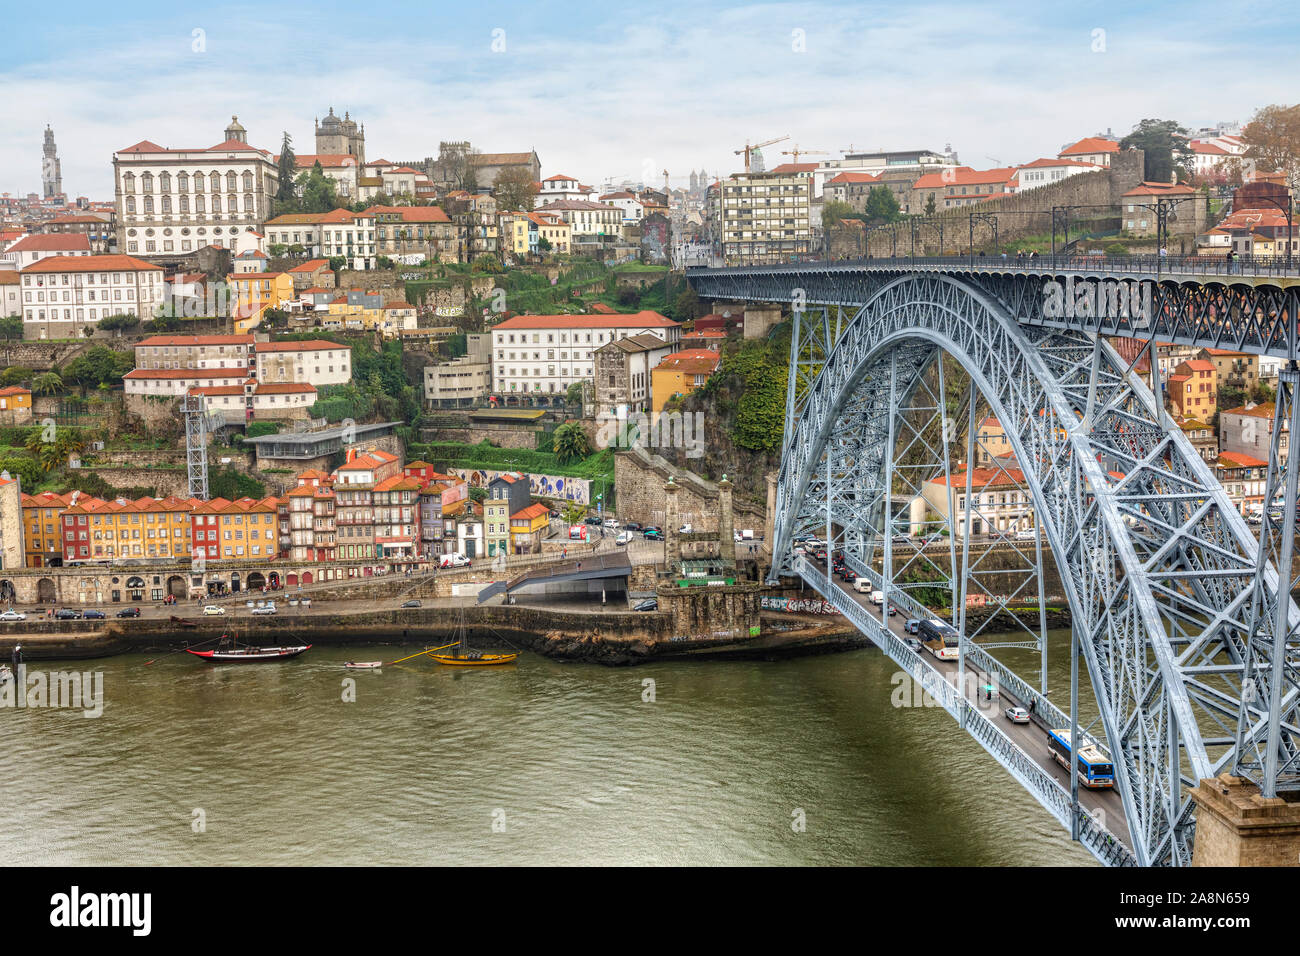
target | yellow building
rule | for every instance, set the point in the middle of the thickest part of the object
(252, 293)
(1232, 369)
(97, 530)
(680, 374)
(527, 526)
(42, 515)
(241, 530)
(15, 405)
(514, 233)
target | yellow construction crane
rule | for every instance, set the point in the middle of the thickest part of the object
(797, 152)
(748, 151)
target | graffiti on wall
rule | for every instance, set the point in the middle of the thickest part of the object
(797, 605)
(561, 487)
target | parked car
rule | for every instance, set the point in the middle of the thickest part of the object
(594, 519)
(687, 528)
(612, 523)
(632, 525)
(412, 604)
(454, 560)
(91, 614)
(12, 615)
(68, 614)
(554, 513)
(624, 537)
(649, 604)
(266, 609)
(1026, 534)
(129, 612)
(214, 609)
(652, 533)
(1017, 715)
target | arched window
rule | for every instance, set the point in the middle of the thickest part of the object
(146, 182)
(182, 183)
(232, 182)
(128, 183)
(214, 180)
(148, 204)
(248, 182)
(198, 182)
(130, 205)
(165, 182)
(248, 203)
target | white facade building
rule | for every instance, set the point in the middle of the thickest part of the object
(317, 362)
(175, 201)
(544, 354)
(30, 250)
(1044, 172)
(63, 294)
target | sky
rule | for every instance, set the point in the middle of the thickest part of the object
(621, 91)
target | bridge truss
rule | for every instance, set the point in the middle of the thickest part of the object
(1178, 613)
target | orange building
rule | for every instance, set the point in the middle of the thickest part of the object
(1192, 389)
(680, 374)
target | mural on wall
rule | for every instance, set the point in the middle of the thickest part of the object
(654, 238)
(562, 487)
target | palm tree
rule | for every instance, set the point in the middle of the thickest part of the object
(570, 443)
(47, 383)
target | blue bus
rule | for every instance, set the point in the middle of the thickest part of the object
(1095, 771)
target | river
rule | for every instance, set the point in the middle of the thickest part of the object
(535, 763)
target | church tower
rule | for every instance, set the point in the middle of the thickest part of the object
(235, 131)
(341, 137)
(51, 170)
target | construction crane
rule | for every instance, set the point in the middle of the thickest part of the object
(748, 151)
(797, 152)
(667, 188)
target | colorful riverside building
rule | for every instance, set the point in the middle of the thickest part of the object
(240, 530)
(92, 529)
(42, 531)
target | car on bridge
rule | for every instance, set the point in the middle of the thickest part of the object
(212, 609)
(129, 612)
(913, 625)
(1017, 715)
(1026, 534)
(10, 616)
(912, 644)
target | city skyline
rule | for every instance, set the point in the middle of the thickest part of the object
(511, 79)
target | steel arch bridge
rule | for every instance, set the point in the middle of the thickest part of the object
(1178, 612)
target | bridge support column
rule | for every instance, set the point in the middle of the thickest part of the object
(1236, 825)
(726, 523)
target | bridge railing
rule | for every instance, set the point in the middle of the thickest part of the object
(1094, 834)
(1208, 266)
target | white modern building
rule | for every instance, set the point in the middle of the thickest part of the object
(1045, 172)
(543, 355)
(63, 294)
(175, 201)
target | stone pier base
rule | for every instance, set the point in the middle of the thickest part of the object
(1237, 826)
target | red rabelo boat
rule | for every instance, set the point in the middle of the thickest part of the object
(234, 654)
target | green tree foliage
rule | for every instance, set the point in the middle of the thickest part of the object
(930, 205)
(27, 469)
(227, 482)
(1164, 144)
(51, 448)
(16, 375)
(311, 191)
(120, 322)
(11, 327)
(258, 429)
(686, 307)
(835, 212)
(1272, 139)
(162, 323)
(881, 205)
(47, 383)
(570, 443)
(750, 384)
(574, 394)
(98, 366)
(288, 170)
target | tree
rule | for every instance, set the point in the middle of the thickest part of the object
(1272, 139)
(574, 394)
(543, 244)
(570, 443)
(288, 171)
(1164, 144)
(27, 469)
(686, 305)
(930, 205)
(11, 327)
(119, 322)
(47, 383)
(15, 375)
(881, 205)
(97, 366)
(835, 212)
(514, 189)
(574, 513)
(317, 190)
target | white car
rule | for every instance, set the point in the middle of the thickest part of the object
(214, 609)
(862, 585)
(454, 560)
(1017, 715)
(266, 609)
(12, 615)
(612, 523)
(686, 529)
(624, 537)
(1026, 534)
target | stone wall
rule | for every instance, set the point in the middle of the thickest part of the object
(40, 356)
(711, 612)
(503, 436)
(639, 490)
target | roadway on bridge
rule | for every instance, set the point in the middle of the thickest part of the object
(1030, 738)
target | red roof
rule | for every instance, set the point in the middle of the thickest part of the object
(984, 477)
(1091, 144)
(53, 242)
(644, 318)
(1161, 189)
(311, 265)
(964, 176)
(1238, 460)
(532, 511)
(182, 373)
(794, 168)
(690, 360)
(196, 340)
(311, 345)
(114, 263)
(413, 213)
(853, 178)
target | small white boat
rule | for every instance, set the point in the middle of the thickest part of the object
(6, 674)
(363, 665)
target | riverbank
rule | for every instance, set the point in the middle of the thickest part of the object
(610, 638)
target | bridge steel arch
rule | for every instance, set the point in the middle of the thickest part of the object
(1157, 563)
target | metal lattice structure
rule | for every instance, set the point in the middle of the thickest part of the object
(1178, 613)
(196, 445)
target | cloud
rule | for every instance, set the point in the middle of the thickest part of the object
(615, 92)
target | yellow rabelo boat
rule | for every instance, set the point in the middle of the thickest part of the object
(464, 656)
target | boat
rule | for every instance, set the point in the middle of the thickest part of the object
(183, 622)
(235, 654)
(6, 674)
(363, 665)
(462, 655)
